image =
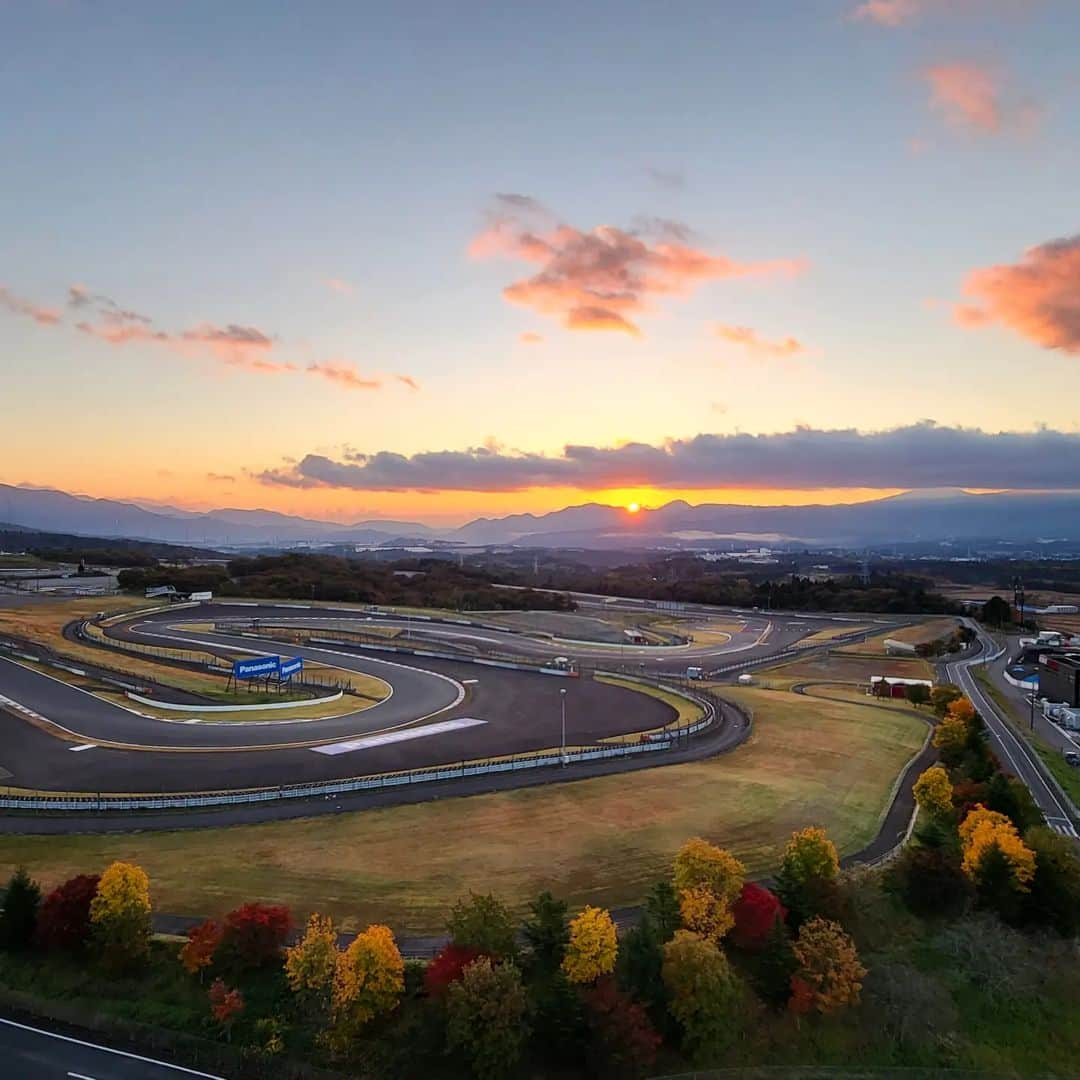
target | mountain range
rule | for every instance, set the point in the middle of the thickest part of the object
(917, 516)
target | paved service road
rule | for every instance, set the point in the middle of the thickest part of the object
(31, 1053)
(1014, 752)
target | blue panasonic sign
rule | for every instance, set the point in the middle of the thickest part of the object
(260, 667)
(289, 668)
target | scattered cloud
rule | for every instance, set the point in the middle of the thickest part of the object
(530, 337)
(220, 478)
(344, 374)
(755, 344)
(668, 179)
(920, 455)
(604, 278)
(43, 316)
(409, 381)
(889, 12)
(969, 96)
(1038, 297)
(339, 285)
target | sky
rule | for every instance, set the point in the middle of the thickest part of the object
(431, 261)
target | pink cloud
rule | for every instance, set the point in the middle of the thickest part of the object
(339, 285)
(344, 374)
(888, 12)
(409, 381)
(757, 345)
(1038, 297)
(530, 337)
(598, 279)
(43, 316)
(970, 96)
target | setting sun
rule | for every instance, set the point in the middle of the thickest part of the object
(633, 507)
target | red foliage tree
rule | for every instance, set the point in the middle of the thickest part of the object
(254, 934)
(756, 911)
(967, 794)
(64, 919)
(447, 967)
(624, 1042)
(203, 941)
(225, 1004)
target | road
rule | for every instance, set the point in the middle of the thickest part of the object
(1012, 750)
(33, 1053)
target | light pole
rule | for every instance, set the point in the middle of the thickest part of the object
(562, 704)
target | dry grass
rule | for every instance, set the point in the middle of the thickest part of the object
(830, 632)
(599, 841)
(840, 666)
(918, 634)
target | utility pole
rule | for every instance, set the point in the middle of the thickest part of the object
(562, 703)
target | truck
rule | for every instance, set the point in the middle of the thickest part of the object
(695, 673)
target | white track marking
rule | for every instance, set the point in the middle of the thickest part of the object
(397, 736)
(83, 746)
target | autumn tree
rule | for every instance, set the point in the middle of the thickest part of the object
(943, 695)
(828, 974)
(755, 912)
(934, 792)
(369, 978)
(486, 1018)
(623, 1040)
(120, 917)
(19, 910)
(984, 831)
(226, 1005)
(592, 948)
(951, 739)
(807, 879)
(702, 992)
(485, 923)
(707, 880)
(197, 953)
(547, 933)
(931, 881)
(447, 966)
(310, 965)
(253, 935)
(64, 919)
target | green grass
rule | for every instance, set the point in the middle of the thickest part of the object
(603, 841)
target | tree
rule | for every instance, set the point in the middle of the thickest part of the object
(547, 933)
(310, 964)
(624, 1042)
(19, 911)
(226, 1005)
(707, 880)
(702, 992)
(64, 919)
(951, 740)
(120, 917)
(486, 1018)
(253, 935)
(963, 711)
(369, 978)
(485, 923)
(198, 951)
(755, 912)
(1053, 899)
(934, 792)
(592, 948)
(828, 974)
(662, 907)
(447, 967)
(984, 832)
(807, 879)
(943, 695)
(1012, 798)
(931, 881)
(996, 612)
(773, 967)
(556, 1011)
(917, 694)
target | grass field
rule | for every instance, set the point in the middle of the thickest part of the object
(819, 637)
(840, 666)
(919, 634)
(599, 841)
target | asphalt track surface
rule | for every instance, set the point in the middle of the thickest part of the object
(520, 711)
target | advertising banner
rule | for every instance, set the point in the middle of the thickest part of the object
(201, 596)
(291, 667)
(259, 667)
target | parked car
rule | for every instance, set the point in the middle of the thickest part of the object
(1073, 758)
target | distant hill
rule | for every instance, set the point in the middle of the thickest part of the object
(924, 517)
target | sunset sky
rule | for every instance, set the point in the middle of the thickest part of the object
(434, 260)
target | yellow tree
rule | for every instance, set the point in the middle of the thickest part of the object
(933, 792)
(985, 831)
(310, 963)
(592, 948)
(369, 978)
(961, 709)
(708, 881)
(120, 916)
(828, 973)
(951, 737)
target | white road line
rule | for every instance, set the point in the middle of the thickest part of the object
(81, 1076)
(468, 682)
(110, 1050)
(369, 741)
(82, 746)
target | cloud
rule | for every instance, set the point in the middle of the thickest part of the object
(409, 381)
(969, 96)
(220, 478)
(339, 285)
(669, 179)
(920, 455)
(530, 337)
(756, 345)
(889, 12)
(1038, 297)
(604, 278)
(43, 316)
(344, 374)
